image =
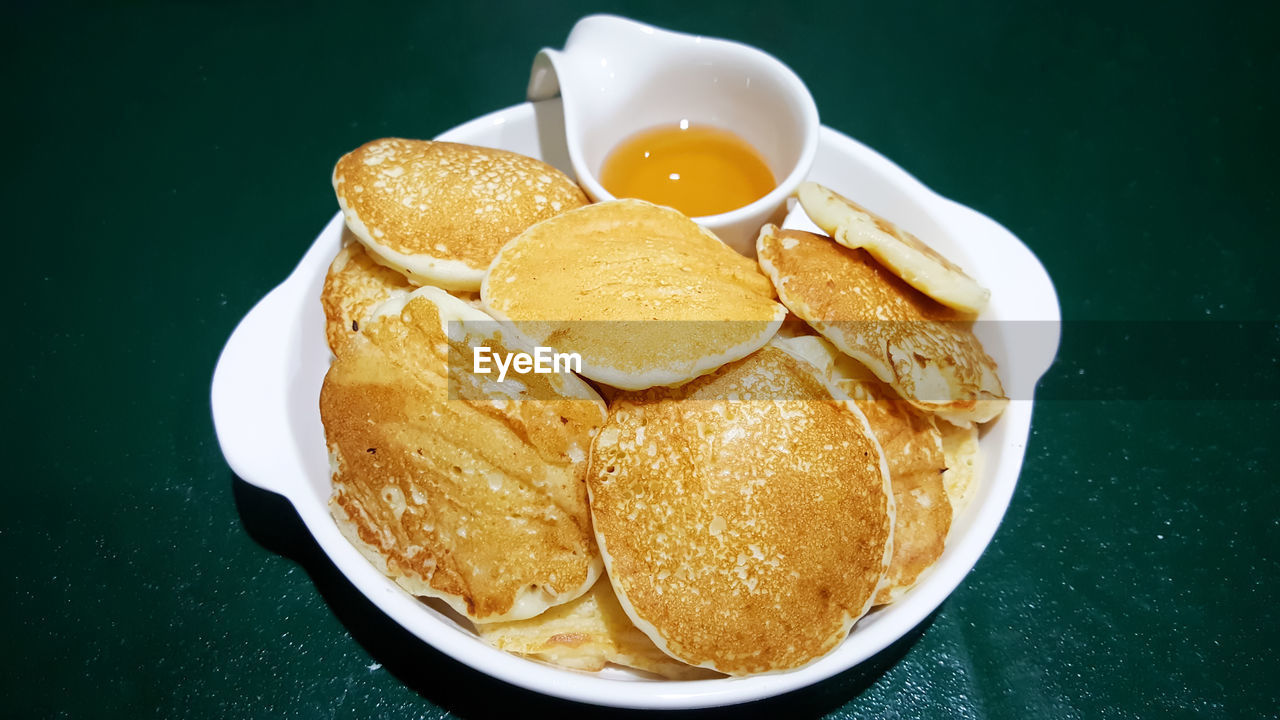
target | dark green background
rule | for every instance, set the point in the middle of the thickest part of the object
(172, 164)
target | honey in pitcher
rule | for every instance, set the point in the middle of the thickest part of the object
(696, 169)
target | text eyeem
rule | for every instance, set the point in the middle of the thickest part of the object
(543, 360)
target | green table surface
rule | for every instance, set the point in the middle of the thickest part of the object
(172, 164)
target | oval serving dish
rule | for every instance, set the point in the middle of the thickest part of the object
(266, 414)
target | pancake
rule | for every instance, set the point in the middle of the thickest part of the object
(641, 292)
(587, 634)
(960, 446)
(438, 212)
(913, 451)
(812, 348)
(745, 518)
(922, 267)
(926, 351)
(482, 502)
(353, 287)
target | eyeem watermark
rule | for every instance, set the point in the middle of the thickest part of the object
(544, 360)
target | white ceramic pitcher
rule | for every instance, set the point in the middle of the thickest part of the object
(617, 77)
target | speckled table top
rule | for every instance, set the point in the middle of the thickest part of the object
(173, 163)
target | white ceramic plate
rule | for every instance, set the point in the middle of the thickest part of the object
(266, 391)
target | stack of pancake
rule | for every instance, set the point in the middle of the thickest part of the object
(751, 456)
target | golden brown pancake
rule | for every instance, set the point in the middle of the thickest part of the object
(745, 518)
(922, 267)
(913, 450)
(475, 498)
(586, 634)
(926, 351)
(353, 287)
(438, 212)
(960, 445)
(641, 292)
